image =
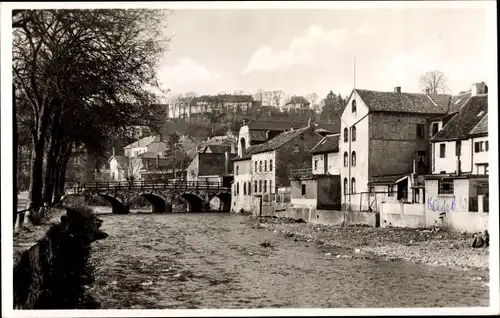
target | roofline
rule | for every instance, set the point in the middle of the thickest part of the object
(404, 112)
(323, 152)
(454, 176)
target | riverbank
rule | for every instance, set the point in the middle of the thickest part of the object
(414, 245)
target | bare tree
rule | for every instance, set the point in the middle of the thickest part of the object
(312, 98)
(434, 82)
(259, 96)
(277, 97)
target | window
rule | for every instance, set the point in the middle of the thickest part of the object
(244, 188)
(353, 159)
(265, 165)
(255, 187)
(371, 190)
(390, 191)
(249, 187)
(271, 165)
(346, 134)
(346, 159)
(420, 131)
(435, 128)
(353, 108)
(479, 146)
(458, 148)
(315, 164)
(237, 169)
(256, 167)
(345, 186)
(238, 188)
(260, 186)
(234, 187)
(353, 185)
(303, 189)
(445, 186)
(260, 166)
(486, 145)
(296, 148)
(270, 186)
(442, 150)
(265, 186)
(353, 134)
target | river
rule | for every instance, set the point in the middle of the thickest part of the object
(216, 260)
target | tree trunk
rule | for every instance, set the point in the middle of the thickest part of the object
(60, 178)
(36, 174)
(50, 171)
(16, 172)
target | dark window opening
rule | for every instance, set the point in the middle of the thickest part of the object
(442, 150)
(458, 148)
(303, 189)
(420, 131)
(353, 108)
(445, 186)
(346, 159)
(346, 134)
(435, 128)
(353, 133)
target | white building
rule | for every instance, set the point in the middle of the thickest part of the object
(462, 142)
(326, 156)
(382, 134)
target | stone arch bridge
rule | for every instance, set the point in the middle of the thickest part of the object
(160, 193)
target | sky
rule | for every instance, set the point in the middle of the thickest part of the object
(313, 51)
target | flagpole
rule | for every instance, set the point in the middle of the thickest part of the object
(354, 73)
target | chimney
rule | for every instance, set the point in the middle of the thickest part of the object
(226, 163)
(479, 88)
(397, 89)
(113, 151)
(459, 164)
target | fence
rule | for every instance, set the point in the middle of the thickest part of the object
(151, 184)
(364, 201)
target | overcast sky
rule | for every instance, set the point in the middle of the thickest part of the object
(306, 51)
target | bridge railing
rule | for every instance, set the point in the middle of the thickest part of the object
(152, 184)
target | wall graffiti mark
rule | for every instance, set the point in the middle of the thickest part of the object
(447, 204)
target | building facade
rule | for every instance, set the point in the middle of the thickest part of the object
(384, 134)
(326, 156)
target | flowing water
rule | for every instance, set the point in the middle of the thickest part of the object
(216, 260)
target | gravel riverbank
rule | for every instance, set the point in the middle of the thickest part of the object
(419, 246)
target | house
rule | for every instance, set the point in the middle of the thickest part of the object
(315, 191)
(459, 179)
(118, 167)
(462, 143)
(210, 167)
(222, 102)
(297, 102)
(150, 143)
(326, 156)
(256, 132)
(385, 134)
(265, 168)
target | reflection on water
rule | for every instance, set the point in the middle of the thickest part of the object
(215, 260)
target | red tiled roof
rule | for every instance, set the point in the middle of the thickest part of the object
(404, 102)
(461, 126)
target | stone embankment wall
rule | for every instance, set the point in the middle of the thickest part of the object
(53, 272)
(313, 215)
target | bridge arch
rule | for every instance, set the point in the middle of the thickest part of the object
(116, 203)
(194, 203)
(220, 201)
(159, 204)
